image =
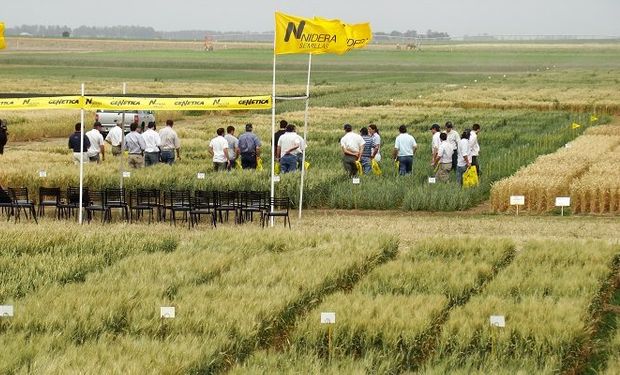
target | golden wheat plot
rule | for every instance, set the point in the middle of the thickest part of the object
(551, 175)
(598, 190)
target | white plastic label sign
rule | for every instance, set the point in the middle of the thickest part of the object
(200, 176)
(6, 310)
(432, 180)
(126, 174)
(167, 312)
(356, 180)
(42, 173)
(562, 202)
(517, 200)
(276, 178)
(498, 321)
(328, 318)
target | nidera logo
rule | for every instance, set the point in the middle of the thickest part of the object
(295, 30)
(309, 40)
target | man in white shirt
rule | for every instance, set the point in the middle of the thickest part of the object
(405, 147)
(443, 158)
(219, 149)
(169, 143)
(474, 147)
(233, 146)
(463, 161)
(351, 145)
(96, 151)
(152, 141)
(435, 141)
(453, 139)
(289, 147)
(115, 138)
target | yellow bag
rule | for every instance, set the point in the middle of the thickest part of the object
(470, 177)
(306, 165)
(276, 168)
(376, 169)
(358, 165)
(238, 164)
(259, 164)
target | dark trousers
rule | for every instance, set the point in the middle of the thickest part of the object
(151, 158)
(288, 163)
(405, 165)
(455, 156)
(348, 161)
(167, 157)
(248, 161)
(474, 161)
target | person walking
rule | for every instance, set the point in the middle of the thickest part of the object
(79, 153)
(352, 145)
(4, 136)
(152, 140)
(96, 151)
(474, 147)
(435, 140)
(218, 148)
(170, 144)
(443, 158)
(367, 151)
(463, 161)
(288, 149)
(277, 135)
(376, 140)
(405, 148)
(135, 146)
(249, 148)
(233, 146)
(115, 138)
(453, 139)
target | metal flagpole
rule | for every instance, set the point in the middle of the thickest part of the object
(273, 130)
(303, 157)
(81, 159)
(120, 168)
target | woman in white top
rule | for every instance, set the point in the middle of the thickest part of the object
(376, 140)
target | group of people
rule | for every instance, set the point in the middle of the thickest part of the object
(144, 148)
(450, 152)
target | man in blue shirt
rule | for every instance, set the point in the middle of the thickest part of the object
(404, 149)
(249, 148)
(79, 154)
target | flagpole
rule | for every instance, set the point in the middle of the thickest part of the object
(273, 130)
(120, 166)
(303, 157)
(81, 159)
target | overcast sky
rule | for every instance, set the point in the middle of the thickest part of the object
(457, 17)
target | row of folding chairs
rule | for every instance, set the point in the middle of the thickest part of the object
(14, 201)
(169, 205)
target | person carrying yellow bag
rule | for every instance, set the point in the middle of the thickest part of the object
(351, 145)
(470, 177)
(463, 161)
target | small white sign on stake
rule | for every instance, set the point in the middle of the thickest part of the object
(126, 174)
(432, 180)
(6, 311)
(42, 173)
(328, 318)
(517, 200)
(498, 321)
(562, 201)
(200, 175)
(167, 312)
(356, 180)
(276, 178)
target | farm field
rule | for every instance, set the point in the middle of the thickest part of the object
(413, 271)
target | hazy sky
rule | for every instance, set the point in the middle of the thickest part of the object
(457, 17)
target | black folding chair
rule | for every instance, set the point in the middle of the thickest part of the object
(116, 198)
(281, 208)
(227, 201)
(68, 207)
(252, 202)
(21, 201)
(49, 197)
(203, 203)
(6, 204)
(143, 200)
(96, 203)
(177, 201)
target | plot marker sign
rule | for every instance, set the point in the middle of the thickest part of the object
(498, 321)
(328, 318)
(200, 175)
(126, 174)
(356, 180)
(562, 202)
(42, 173)
(6, 311)
(167, 312)
(517, 200)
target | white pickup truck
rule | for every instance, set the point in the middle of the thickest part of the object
(108, 119)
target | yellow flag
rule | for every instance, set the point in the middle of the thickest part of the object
(593, 118)
(575, 125)
(2, 43)
(317, 35)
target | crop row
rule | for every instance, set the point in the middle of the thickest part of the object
(232, 296)
(598, 190)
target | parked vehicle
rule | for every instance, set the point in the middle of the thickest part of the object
(108, 119)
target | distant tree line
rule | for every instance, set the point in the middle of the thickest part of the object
(143, 32)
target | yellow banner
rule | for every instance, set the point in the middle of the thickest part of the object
(175, 104)
(2, 42)
(153, 104)
(318, 35)
(56, 102)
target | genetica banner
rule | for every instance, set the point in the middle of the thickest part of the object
(2, 43)
(318, 35)
(228, 103)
